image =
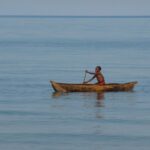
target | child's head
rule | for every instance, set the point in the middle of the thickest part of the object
(98, 68)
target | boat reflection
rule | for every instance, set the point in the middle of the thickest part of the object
(98, 96)
(58, 94)
(90, 100)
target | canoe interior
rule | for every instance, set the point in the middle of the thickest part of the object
(69, 87)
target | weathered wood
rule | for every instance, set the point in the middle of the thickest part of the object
(68, 87)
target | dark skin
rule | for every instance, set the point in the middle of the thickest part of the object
(98, 75)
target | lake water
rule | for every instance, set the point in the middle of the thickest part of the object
(34, 50)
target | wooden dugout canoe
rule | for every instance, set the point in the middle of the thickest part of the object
(68, 87)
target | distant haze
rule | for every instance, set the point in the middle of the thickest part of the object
(76, 7)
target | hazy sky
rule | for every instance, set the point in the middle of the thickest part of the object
(75, 7)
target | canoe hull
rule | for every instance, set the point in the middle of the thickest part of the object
(68, 87)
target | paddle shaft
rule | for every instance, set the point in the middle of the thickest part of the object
(84, 77)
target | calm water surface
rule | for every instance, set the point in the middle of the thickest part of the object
(34, 50)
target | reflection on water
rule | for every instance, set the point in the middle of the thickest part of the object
(99, 96)
(58, 94)
(89, 100)
(87, 95)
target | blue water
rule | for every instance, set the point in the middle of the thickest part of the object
(34, 50)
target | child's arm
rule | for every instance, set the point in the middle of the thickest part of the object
(89, 80)
(89, 72)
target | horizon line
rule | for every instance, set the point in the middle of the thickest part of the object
(80, 16)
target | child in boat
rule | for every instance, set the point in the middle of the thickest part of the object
(98, 75)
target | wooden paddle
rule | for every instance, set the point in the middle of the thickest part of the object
(84, 77)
